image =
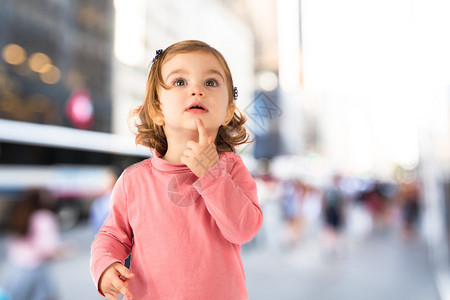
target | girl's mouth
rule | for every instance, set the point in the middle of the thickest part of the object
(197, 108)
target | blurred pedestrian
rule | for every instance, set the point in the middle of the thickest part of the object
(312, 207)
(333, 214)
(184, 213)
(377, 204)
(410, 203)
(268, 195)
(33, 240)
(291, 203)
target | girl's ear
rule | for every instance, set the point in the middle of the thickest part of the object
(230, 114)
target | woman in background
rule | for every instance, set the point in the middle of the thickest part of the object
(33, 240)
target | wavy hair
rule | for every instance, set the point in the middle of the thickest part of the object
(147, 117)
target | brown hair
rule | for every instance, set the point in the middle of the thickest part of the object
(29, 202)
(146, 118)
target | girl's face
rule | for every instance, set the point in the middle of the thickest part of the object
(198, 91)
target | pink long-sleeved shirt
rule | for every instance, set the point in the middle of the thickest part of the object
(183, 232)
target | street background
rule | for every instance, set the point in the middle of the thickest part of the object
(380, 267)
(348, 107)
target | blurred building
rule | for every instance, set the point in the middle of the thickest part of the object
(272, 112)
(55, 82)
(56, 62)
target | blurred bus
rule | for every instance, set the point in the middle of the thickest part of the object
(72, 164)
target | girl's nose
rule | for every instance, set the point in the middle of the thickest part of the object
(197, 90)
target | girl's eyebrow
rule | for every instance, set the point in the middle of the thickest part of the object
(215, 72)
(177, 71)
(182, 71)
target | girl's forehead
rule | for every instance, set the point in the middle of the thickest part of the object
(192, 61)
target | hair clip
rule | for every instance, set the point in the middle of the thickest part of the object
(235, 90)
(158, 52)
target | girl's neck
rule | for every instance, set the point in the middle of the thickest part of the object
(176, 144)
(173, 155)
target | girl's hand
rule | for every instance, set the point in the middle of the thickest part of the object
(115, 280)
(201, 156)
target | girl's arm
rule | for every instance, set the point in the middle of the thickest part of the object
(231, 198)
(114, 239)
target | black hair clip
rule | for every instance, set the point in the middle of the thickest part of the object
(235, 90)
(158, 52)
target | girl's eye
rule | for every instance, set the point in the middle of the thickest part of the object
(179, 82)
(210, 82)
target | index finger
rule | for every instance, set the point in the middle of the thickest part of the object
(202, 133)
(122, 287)
(126, 292)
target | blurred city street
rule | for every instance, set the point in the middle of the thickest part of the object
(381, 266)
(346, 106)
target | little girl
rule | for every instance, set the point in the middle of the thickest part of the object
(183, 213)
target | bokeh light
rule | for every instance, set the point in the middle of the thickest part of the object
(39, 62)
(50, 74)
(14, 54)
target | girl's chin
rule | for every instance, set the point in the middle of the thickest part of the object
(191, 124)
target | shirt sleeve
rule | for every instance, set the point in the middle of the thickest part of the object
(231, 198)
(114, 240)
